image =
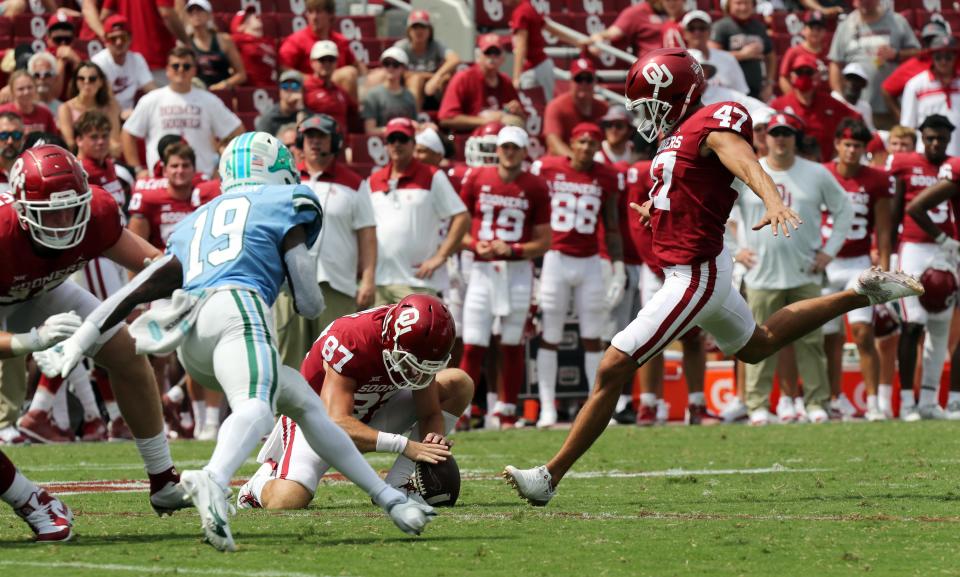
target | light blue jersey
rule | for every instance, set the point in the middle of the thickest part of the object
(236, 239)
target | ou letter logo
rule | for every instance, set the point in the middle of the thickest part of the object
(405, 321)
(658, 75)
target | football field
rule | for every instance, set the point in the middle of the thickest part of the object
(839, 499)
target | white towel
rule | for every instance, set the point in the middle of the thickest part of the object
(160, 330)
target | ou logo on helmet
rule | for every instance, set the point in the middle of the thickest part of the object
(658, 76)
(405, 321)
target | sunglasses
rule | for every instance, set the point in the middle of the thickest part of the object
(702, 28)
(493, 52)
(780, 132)
(90, 79)
(122, 37)
(43, 74)
(617, 125)
(947, 55)
(13, 134)
(178, 66)
(804, 71)
(326, 59)
(398, 138)
(62, 40)
(391, 64)
(290, 85)
(585, 79)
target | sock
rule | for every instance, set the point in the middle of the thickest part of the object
(622, 402)
(648, 399)
(42, 399)
(61, 412)
(199, 413)
(696, 399)
(80, 384)
(662, 410)
(928, 396)
(155, 453)
(175, 394)
(547, 377)
(239, 435)
(591, 363)
(514, 370)
(885, 397)
(15, 489)
(934, 355)
(906, 400)
(491, 402)
(872, 404)
(211, 418)
(113, 411)
(472, 361)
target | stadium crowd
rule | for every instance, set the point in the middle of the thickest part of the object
(853, 111)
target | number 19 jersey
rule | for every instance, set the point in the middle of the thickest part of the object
(236, 239)
(693, 194)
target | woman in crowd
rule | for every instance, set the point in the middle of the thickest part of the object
(219, 64)
(36, 117)
(431, 64)
(89, 90)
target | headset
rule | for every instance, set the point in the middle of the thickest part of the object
(324, 123)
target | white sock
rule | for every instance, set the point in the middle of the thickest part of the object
(199, 412)
(239, 435)
(696, 399)
(906, 399)
(623, 401)
(928, 396)
(885, 397)
(42, 400)
(84, 393)
(872, 404)
(547, 376)
(492, 399)
(113, 411)
(591, 363)
(61, 412)
(648, 399)
(19, 491)
(155, 453)
(934, 355)
(175, 393)
(258, 482)
(211, 417)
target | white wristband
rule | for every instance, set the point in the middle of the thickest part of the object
(391, 443)
(23, 343)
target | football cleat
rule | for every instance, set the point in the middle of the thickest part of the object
(734, 411)
(881, 286)
(11, 436)
(171, 415)
(531, 484)
(170, 496)
(875, 415)
(625, 417)
(118, 430)
(818, 416)
(548, 417)
(411, 515)
(38, 426)
(932, 412)
(762, 417)
(843, 407)
(208, 432)
(909, 414)
(49, 518)
(210, 499)
(801, 408)
(246, 499)
(647, 416)
(696, 414)
(953, 411)
(786, 411)
(94, 430)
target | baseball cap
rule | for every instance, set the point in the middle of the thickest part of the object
(616, 113)
(804, 60)
(855, 69)
(394, 53)
(513, 135)
(581, 65)
(488, 41)
(785, 120)
(239, 17)
(322, 122)
(203, 4)
(418, 17)
(942, 44)
(59, 19)
(291, 76)
(696, 15)
(763, 116)
(933, 29)
(324, 48)
(587, 128)
(430, 139)
(401, 125)
(116, 23)
(814, 18)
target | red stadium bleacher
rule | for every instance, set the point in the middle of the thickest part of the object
(32, 25)
(356, 27)
(367, 149)
(259, 100)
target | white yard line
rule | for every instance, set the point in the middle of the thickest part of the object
(150, 569)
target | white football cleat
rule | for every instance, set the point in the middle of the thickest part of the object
(881, 286)
(532, 484)
(762, 417)
(932, 412)
(786, 412)
(818, 416)
(953, 411)
(801, 408)
(49, 518)
(411, 515)
(210, 499)
(875, 415)
(208, 432)
(734, 411)
(909, 414)
(548, 417)
(169, 499)
(843, 407)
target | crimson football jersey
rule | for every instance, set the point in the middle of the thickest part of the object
(353, 346)
(693, 194)
(505, 211)
(105, 176)
(864, 190)
(917, 173)
(577, 202)
(639, 183)
(164, 212)
(950, 170)
(33, 270)
(625, 218)
(455, 173)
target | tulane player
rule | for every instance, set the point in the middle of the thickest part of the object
(230, 258)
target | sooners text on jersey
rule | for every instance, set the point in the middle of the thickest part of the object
(164, 212)
(917, 173)
(34, 270)
(950, 170)
(864, 190)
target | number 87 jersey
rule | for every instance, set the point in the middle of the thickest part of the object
(693, 194)
(236, 239)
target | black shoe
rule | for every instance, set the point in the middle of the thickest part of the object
(626, 417)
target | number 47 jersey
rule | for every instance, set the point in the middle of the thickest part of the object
(236, 239)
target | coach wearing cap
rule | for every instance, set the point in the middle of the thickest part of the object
(935, 91)
(410, 202)
(573, 107)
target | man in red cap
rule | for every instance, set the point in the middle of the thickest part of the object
(814, 44)
(59, 41)
(820, 112)
(155, 29)
(126, 71)
(582, 193)
(531, 66)
(481, 93)
(259, 54)
(410, 201)
(573, 107)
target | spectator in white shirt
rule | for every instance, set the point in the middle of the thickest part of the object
(717, 93)
(855, 79)
(696, 34)
(126, 71)
(935, 91)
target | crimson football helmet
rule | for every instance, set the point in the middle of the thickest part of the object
(885, 320)
(660, 87)
(481, 147)
(418, 335)
(51, 196)
(939, 289)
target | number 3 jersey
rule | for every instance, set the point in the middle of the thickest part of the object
(917, 173)
(236, 239)
(577, 200)
(507, 211)
(693, 194)
(864, 189)
(353, 347)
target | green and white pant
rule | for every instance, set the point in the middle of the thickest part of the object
(233, 347)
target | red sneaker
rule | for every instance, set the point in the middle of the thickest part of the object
(93, 431)
(38, 426)
(119, 431)
(47, 516)
(647, 416)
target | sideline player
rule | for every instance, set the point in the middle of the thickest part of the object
(703, 150)
(230, 257)
(870, 196)
(380, 373)
(54, 223)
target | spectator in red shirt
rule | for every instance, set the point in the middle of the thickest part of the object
(295, 50)
(892, 87)
(259, 54)
(814, 34)
(531, 66)
(573, 107)
(321, 95)
(155, 28)
(35, 116)
(481, 93)
(640, 26)
(820, 112)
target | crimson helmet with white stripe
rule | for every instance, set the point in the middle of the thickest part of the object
(418, 335)
(939, 288)
(51, 196)
(661, 87)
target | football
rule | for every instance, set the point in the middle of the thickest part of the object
(439, 484)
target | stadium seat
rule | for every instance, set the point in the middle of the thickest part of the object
(288, 25)
(37, 43)
(368, 50)
(901, 5)
(364, 169)
(88, 47)
(259, 100)
(535, 104)
(367, 149)
(230, 6)
(270, 26)
(489, 14)
(226, 96)
(289, 6)
(249, 120)
(30, 25)
(357, 27)
(222, 20)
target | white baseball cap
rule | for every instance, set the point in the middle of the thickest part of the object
(430, 139)
(394, 53)
(324, 48)
(204, 4)
(696, 15)
(855, 69)
(513, 135)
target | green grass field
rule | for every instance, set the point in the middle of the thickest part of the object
(842, 499)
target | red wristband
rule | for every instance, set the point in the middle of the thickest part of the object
(517, 249)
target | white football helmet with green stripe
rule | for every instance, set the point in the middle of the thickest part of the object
(257, 158)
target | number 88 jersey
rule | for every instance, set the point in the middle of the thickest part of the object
(577, 200)
(694, 194)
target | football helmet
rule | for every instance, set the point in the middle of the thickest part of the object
(885, 320)
(51, 196)
(661, 86)
(481, 147)
(939, 289)
(256, 158)
(418, 335)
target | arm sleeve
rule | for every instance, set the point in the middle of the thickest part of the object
(306, 211)
(156, 281)
(302, 273)
(838, 204)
